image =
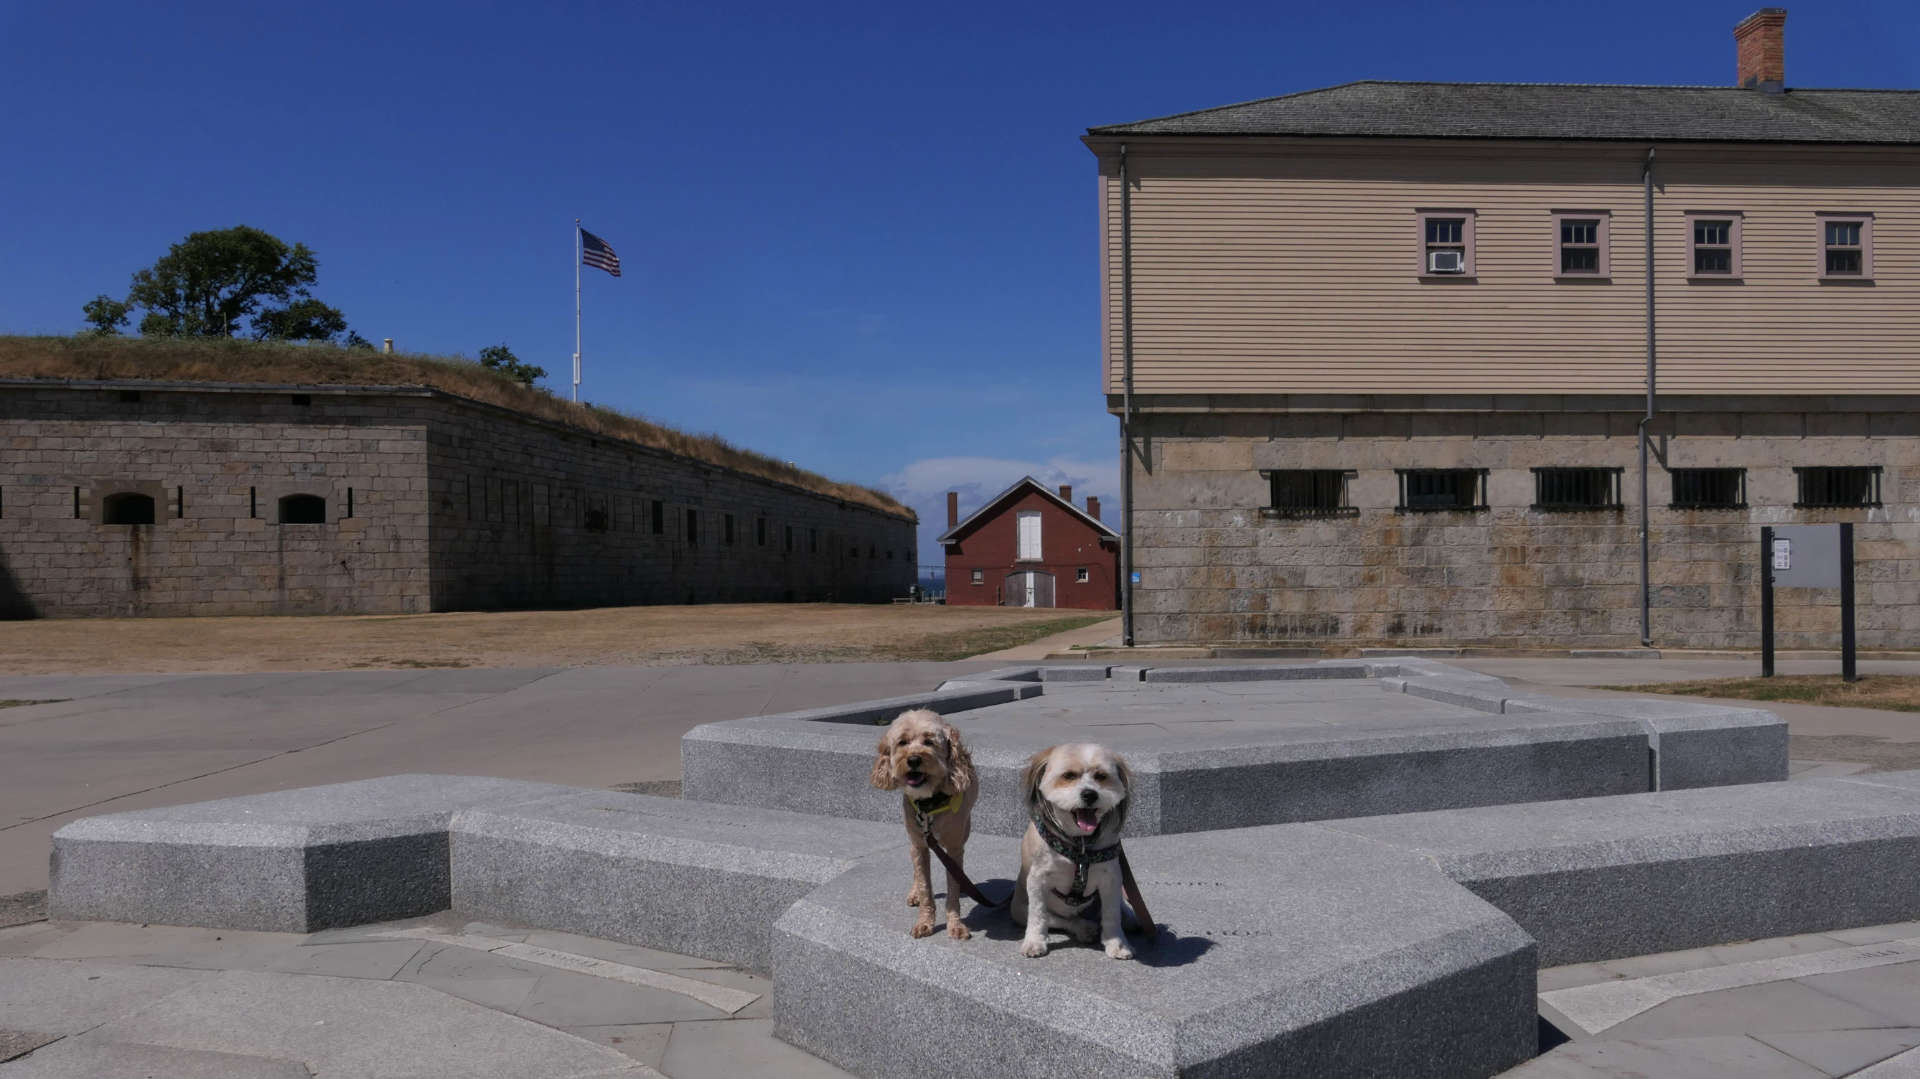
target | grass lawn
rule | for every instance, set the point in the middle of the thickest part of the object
(1893, 692)
(605, 636)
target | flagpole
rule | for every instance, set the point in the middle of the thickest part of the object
(577, 255)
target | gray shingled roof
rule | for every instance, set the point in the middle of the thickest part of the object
(1487, 110)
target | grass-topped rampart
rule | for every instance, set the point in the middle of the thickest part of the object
(90, 358)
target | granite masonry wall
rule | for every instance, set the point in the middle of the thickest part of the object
(530, 513)
(430, 502)
(1216, 568)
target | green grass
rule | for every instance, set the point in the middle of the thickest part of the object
(1889, 692)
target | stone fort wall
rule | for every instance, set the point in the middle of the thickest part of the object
(431, 502)
(1214, 567)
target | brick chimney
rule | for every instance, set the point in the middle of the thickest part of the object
(1066, 493)
(953, 509)
(1760, 50)
(1093, 507)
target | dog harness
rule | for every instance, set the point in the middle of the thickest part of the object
(925, 809)
(1075, 849)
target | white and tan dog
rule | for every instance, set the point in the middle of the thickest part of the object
(923, 753)
(1076, 797)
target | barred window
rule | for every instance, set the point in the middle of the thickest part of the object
(1425, 490)
(1857, 485)
(1709, 488)
(1576, 488)
(1308, 492)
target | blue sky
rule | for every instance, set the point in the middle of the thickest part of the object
(856, 236)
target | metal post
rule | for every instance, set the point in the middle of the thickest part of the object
(577, 255)
(1766, 601)
(1126, 402)
(1849, 670)
(1646, 577)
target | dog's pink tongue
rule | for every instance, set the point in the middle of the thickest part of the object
(1086, 819)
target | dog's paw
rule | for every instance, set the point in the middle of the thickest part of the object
(921, 929)
(1117, 949)
(958, 931)
(1033, 949)
(916, 899)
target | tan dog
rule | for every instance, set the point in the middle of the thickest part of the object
(1077, 797)
(923, 753)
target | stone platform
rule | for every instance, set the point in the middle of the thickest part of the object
(1402, 945)
(1239, 746)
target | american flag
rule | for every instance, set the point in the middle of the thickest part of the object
(596, 253)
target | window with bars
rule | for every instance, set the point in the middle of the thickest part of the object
(1446, 243)
(1308, 492)
(1576, 488)
(1581, 244)
(1856, 485)
(1427, 490)
(1708, 488)
(1846, 246)
(1713, 242)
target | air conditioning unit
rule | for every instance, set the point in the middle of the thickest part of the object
(1446, 262)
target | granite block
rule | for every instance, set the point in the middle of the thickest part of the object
(1264, 672)
(1266, 965)
(1604, 878)
(293, 861)
(1691, 745)
(693, 878)
(1074, 674)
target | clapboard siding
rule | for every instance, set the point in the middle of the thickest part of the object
(1278, 267)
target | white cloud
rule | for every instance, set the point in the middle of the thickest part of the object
(924, 484)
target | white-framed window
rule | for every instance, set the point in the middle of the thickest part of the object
(979, 576)
(1029, 523)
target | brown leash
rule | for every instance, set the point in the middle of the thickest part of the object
(1147, 927)
(953, 870)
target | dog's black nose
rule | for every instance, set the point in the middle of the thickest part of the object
(913, 762)
(1089, 795)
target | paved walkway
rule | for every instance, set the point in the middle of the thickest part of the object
(126, 1000)
(1104, 634)
(431, 997)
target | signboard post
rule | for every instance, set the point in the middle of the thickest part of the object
(1807, 556)
(1766, 602)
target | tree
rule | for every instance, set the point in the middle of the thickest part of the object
(224, 282)
(106, 315)
(500, 358)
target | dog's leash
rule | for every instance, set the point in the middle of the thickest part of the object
(1083, 858)
(953, 870)
(1147, 927)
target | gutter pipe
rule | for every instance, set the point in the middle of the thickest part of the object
(1126, 402)
(1646, 580)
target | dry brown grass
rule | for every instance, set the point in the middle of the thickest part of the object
(608, 636)
(212, 360)
(1891, 692)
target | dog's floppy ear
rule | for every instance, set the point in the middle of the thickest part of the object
(1031, 775)
(1119, 812)
(959, 762)
(883, 776)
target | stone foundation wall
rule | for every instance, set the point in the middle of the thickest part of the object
(1214, 568)
(216, 465)
(431, 503)
(529, 513)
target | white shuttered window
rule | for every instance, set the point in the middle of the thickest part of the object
(1030, 537)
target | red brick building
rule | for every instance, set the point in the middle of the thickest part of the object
(1029, 547)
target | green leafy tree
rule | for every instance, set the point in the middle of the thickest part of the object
(222, 283)
(501, 358)
(106, 315)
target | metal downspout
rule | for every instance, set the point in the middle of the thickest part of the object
(1126, 402)
(1646, 580)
